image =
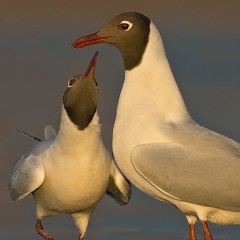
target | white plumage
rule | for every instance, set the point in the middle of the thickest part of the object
(69, 172)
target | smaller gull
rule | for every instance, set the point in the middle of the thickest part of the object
(69, 172)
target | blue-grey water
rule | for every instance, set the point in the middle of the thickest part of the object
(202, 44)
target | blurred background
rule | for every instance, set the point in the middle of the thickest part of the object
(202, 41)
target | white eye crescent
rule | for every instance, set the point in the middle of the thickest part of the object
(71, 82)
(125, 25)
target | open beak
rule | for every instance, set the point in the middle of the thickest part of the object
(88, 40)
(91, 67)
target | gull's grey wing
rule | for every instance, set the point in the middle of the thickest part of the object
(29, 173)
(201, 177)
(49, 132)
(119, 188)
(27, 176)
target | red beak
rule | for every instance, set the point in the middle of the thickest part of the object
(88, 40)
(91, 66)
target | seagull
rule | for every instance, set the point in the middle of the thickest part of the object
(69, 172)
(156, 143)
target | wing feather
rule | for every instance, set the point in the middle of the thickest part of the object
(119, 188)
(27, 176)
(199, 177)
(49, 132)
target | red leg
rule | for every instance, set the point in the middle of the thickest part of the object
(192, 233)
(80, 237)
(206, 231)
(40, 230)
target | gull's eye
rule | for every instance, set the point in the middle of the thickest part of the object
(125, 25)
(71, 82)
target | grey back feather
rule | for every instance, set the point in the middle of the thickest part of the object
(201, 177)
(27, 176)
(119, 188)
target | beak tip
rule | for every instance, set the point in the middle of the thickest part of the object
(75, 44)
(95, 55)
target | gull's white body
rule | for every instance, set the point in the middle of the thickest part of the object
(69, 173)
(76, 171)
(152, 123)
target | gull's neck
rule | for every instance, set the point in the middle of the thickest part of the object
(151, 85)
(70, 135)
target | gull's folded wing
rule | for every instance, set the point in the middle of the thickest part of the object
(119, 188)
(27, 176)
(49, 132)
(203, 178)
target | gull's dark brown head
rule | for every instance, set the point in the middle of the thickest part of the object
(81, 96)
(129, 32)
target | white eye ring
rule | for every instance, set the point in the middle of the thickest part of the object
(71, 82)
(125, 25)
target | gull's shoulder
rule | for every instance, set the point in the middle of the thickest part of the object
(193, 135)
